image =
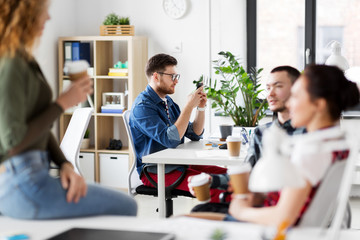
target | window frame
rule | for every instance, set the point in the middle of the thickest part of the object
(251, 29)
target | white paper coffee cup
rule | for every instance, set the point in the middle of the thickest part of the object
(201, 186)
(239, 177)
(76, 69)
(233, 146)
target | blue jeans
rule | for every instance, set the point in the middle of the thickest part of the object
(27, 191)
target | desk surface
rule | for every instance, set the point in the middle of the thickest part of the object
(182, 227)
(193, 152)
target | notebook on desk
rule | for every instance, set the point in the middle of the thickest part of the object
(96, 234)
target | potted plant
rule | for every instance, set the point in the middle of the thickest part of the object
(234, 84)
(85, 143)
(115, 25)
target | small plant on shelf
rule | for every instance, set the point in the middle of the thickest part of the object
(111, 19)
(87, 134)
(85, 143)
(114, 19)
(115, 25)
(124, 21)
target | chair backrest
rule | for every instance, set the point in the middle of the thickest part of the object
(345, 188)
(322, 206)
(70, 144)
(133, 177)
(330, 203)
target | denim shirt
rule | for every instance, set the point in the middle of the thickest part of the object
(152, 130)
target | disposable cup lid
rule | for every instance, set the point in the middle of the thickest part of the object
(73, 67)
(243, 168)
(199, 180)
(233, 139)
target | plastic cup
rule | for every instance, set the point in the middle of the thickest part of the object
(233, 146)
(239, 178)
(201, 186)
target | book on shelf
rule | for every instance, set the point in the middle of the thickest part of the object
(120, 72)
(112, 108)
(116, 74)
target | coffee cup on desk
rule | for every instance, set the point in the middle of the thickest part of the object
(201, 186)
(239, 178)
(233, 146)
(76, 69)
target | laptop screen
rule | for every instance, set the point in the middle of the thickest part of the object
(96, 234)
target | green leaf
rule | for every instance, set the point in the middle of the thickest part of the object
(235, 82)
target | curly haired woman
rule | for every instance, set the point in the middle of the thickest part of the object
(26, 142)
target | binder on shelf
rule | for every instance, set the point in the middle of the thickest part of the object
(67, 51)
(75, 48)
(85, 52)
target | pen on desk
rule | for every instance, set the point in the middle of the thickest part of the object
(17, 237)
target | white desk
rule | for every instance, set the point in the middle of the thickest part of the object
(185, 154)
(184, 228)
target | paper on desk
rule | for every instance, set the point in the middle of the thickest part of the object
(212, 154)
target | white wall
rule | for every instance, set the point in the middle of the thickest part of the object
(84, 17)
(61, 23)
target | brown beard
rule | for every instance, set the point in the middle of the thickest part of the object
(163, 89)
(280, 109)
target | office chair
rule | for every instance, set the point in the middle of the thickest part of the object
(322, 207)
(70, 144)
(331, 200)
(137, 187)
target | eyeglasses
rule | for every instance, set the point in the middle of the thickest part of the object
(173, 76)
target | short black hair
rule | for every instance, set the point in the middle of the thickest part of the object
(158, 63)
(293, 73)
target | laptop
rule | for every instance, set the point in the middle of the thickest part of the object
(104, 234)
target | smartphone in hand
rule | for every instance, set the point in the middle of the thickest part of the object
(199, 84)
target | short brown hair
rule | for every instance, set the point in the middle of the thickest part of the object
(18, 25)
(158, 63)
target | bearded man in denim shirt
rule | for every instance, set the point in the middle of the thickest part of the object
(157, 123)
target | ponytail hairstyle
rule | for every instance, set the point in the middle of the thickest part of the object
(329, 82)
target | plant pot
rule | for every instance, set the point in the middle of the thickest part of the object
(117, 30)
(85, 143)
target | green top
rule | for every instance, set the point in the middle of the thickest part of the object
(26, 109)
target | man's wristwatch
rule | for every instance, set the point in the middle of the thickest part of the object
(201, 109)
